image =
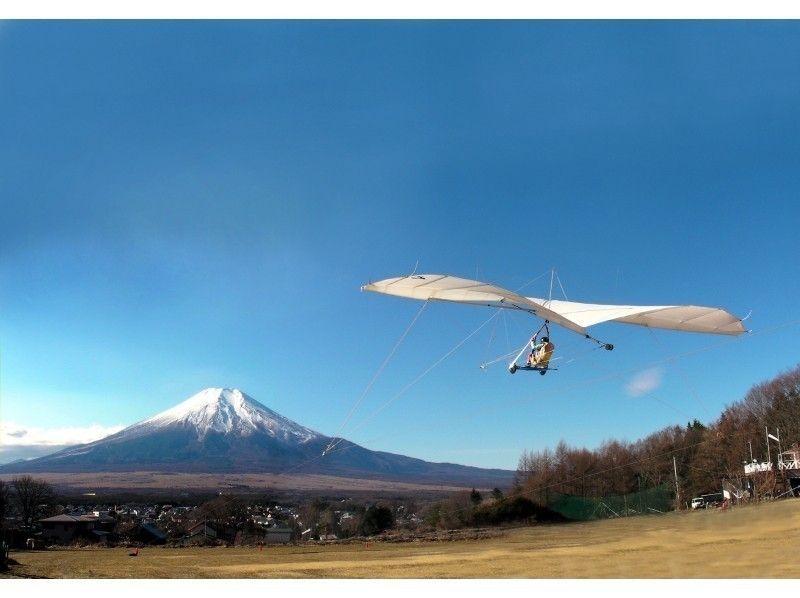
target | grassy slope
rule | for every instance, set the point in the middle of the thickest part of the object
(753, 541)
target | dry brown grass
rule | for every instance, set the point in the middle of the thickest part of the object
(143, 481)
(746, 542)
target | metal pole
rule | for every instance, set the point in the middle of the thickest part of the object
(677, 490)
(769, 459)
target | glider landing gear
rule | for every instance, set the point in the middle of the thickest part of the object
(529, 368)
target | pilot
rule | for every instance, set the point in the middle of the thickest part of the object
(540, 354)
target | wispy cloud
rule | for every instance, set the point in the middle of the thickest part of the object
(13, 434)
(28, 442)
(644, 382)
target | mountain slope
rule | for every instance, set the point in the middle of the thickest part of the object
(222, 430)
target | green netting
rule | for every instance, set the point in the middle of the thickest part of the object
(582, 508)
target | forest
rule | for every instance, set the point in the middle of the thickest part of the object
(702, 455)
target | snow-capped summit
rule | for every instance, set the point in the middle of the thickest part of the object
(216, 429)
(228, 411)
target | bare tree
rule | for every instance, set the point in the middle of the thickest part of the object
(4, 502)
(32, 497)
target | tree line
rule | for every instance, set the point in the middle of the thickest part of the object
(703, 455)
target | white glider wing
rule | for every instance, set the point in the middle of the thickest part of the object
(569, 314)
(685, 318)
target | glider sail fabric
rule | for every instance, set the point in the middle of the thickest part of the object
(685, 318)
(441, 287)
(569, 314)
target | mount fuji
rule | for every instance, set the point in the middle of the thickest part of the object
(223, 430)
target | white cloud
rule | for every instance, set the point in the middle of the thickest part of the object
(13, 434)
(644, 382)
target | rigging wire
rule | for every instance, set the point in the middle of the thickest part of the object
(685, 379)
(668, 404)
(563, 292)
(486, 364)
(531, 281)
(379, 371)
(505, 327)
(336, 441)
(491, 337)
(426, 372)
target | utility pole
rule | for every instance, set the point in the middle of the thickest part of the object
(677, 489)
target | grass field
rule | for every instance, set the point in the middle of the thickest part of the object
(242, 482)
(747, 542)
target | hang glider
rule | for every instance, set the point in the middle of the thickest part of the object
(572, 315)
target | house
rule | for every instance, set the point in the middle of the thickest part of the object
(66, 528)
(278, 535)
(201, 531)
(150, 534)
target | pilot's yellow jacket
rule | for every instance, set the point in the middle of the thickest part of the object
(542, 354)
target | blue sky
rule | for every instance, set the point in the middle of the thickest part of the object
(195, 204)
